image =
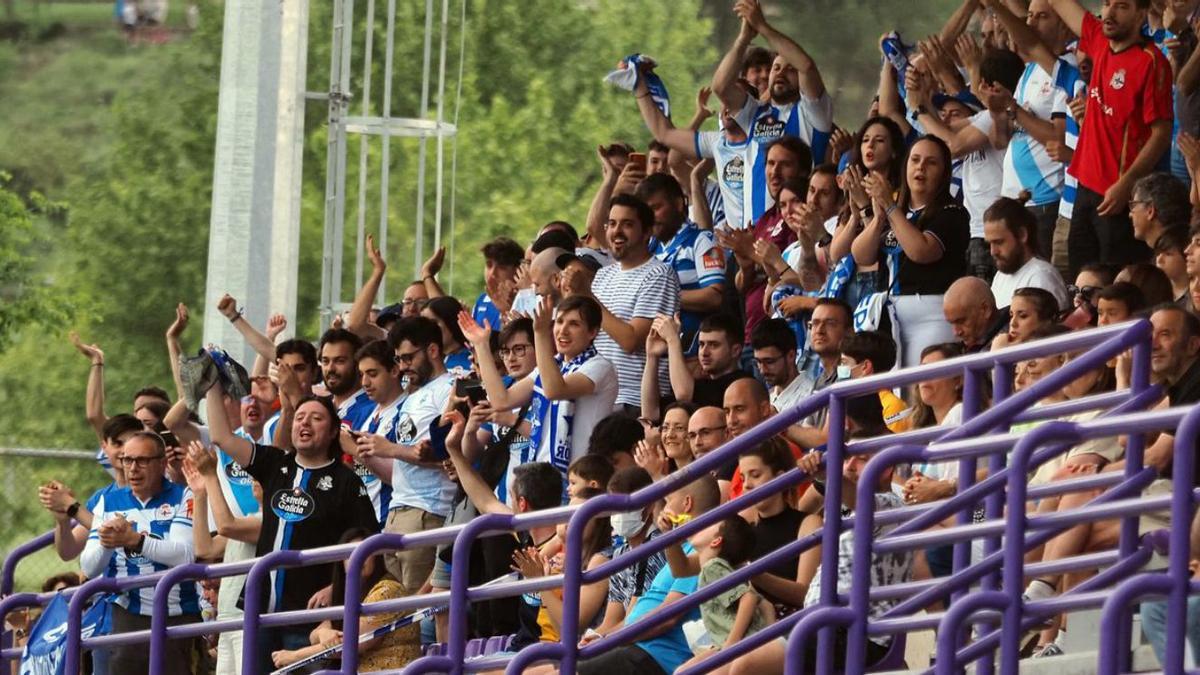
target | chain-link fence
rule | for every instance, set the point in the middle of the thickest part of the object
(22, 470)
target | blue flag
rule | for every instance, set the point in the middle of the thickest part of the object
(44, 653)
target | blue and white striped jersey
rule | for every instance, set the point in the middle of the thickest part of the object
(810, 120)
(381, 420)
(356, 409)
(98, 496)
(1070, 139)
(268, 434)
(697, 261)
(1027, 165)
(102, 460)
(236, 484)
(166, 520)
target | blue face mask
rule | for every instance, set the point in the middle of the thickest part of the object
(843, 372)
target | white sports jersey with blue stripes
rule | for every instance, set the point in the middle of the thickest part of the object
(417, 486)
(810, 120)
(697, 261)
(382, 421)
(1070, 139)
(729, 160)
(354, 410)
(268, 435)
(1027, 165)
(166, 520)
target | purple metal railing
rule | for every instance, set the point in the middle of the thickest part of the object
(1111, 341)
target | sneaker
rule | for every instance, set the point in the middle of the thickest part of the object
(1047, 651)
(198, 374)
(1038, 590)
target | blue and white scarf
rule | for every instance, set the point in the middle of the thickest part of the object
(555, 417)
(627, 77)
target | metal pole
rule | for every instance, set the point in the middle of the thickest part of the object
(419, 242)
(462, 59)
(331, 246)
(386, 156)
(441, 138)
(364, 147)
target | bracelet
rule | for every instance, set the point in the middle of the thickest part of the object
(887, 213)
(98, 365)
(73, 509)
(237, 315)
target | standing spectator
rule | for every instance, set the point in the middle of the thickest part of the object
(1159, 204)
(443, 312)
(922, 239)
(720, 339)
(631, 294)
(502, 256)
(1126, 128)
(690, 251)
(799, 105)
(421, 491)
(570, 391)
(970, 309)
(310, 499)
(143, 528)
(1012, 231)
(775, 357)
(381, 380)
(339, 371)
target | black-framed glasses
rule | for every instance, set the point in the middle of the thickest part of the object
(1085, 291)
(700, 433)
(140, 462)
(518, 351)
(767, 362)
(407, 358)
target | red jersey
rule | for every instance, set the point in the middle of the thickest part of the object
(1129, 91)
(770, 226)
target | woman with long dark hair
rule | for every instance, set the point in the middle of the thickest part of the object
(921, 238)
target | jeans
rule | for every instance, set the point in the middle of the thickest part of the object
(1154, 625)
(1047, 220)
(980, 262)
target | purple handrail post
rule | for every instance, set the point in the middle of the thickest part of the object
(9, 575)
(352, 610)
(1113, 614)
(1182, 506)
(953, 623)
(72, 656)
(158, 620)
(972, 404)
(252, 602)
(1135, 447)
(460, 582)
(1014, 534)
(834, 454)
(824, 619)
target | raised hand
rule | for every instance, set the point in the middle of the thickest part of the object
(56, 498)
(195, 479)
(767, 254)
(631, 176)
(276, 325)
(751, 12)
(703, 112)
(655, 345)
(180, 323)
(93, 352)
(810, 463)
(852, 180)
(543, 318)
(666, 327)
(741, 242)
(969, 51)
(839, 143)
(478, 335)
(227, 306)
(653, 459)
(1189, 145)
(373, 254)
(606, 164)
(433, 265)
(289, 384)
(530, 563)
(880, 190)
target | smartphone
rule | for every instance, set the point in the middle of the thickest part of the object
(471, 389)
(638, 158)
(169, 439)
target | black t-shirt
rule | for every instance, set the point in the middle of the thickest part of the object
(951, 224)
(712, 391)
(771, 534)
(1186, 390)
(304, 509)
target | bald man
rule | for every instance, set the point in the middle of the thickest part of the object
(970, 309)
(708, 431)
(747, 403)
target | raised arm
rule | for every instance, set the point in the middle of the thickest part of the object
(724, 82)
(244, 529)
(810, 77)
(205, 545)
(174, 351)
(1029, 44)
(261, 344)
(958, 21)
(94, 403)
(555, 386)
(501, 397)
(69, 538)
(1071, 12)
(429, 272)
(962, 141)
(219, 430)
(479, 492)
(358, 320)
(681, 140)
(655, 350)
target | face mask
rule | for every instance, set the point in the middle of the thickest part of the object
(627, 525)
(843, 372)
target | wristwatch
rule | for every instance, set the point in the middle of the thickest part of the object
(137, 550)
(73, 509)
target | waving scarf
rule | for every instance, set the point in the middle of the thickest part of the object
(626, 77)
(554, 417)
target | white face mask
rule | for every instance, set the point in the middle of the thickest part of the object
(627, 525)
(843, 372)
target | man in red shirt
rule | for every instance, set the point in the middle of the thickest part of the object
(1126, 128)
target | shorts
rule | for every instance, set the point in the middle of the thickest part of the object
(441, 574)
(411, 567)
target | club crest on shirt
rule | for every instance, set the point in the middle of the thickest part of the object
(325, 484)
(713, 260)
(767, 128)
(292, 505)
(734, 171)
(406, 430)
(164, 512)
(1118, 79)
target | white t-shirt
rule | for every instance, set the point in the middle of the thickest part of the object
(588, 409)
(791, 395)
(730, 169)
(427, 489)
(1035, 273)
(944, 470)
(643, 292)
(1027, 165)
(982, 176)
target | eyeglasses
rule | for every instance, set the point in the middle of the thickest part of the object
(414, 303)
(247, 400)
(518, 351)
(1085, 291)
(767, 362)
(693, 435)
(1143, 202)
(408, 358)
(140, 462)
(824, 323)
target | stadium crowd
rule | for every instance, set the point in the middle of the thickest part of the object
(1028, 171)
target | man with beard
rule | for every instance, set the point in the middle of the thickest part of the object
(339, 372)
(1126, 128)
(690, 251)
(798, 105)
(1011, 232)
(631, 293)
(421, 491)
(380, 373)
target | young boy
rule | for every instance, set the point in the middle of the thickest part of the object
(739, 611)
(589, 471)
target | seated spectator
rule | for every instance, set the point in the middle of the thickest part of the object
(674, 435)
(1118, 302)
(738, 612)
(615, 438)
(1158, 204)
(316, 517)
(774, 520)
(569, 392)
(631, 294)
(869, 353)
(1089, 281)
(1031, 308)
(747, 405)
(392, 650)
(589, 472)
(1168, 257)
(775, 357)
(628, 584)
(143, 528)
(921, 239)
(1011, 232)
(720, 341)
(1153, 282)
(970, 309)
